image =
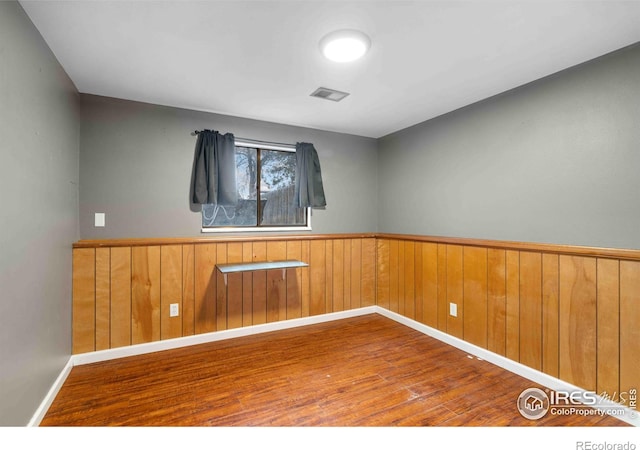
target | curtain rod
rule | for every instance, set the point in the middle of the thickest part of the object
(256, 141)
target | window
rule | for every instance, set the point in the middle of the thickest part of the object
(266, 185)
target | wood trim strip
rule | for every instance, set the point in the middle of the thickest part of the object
(574, 250)
(138, 242)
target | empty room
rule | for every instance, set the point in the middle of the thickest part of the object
(406, 214)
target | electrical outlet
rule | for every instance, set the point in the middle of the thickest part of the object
(453, 309)
(173, 310)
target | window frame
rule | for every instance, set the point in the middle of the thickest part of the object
(247, 143)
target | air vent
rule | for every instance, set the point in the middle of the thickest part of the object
(329, 94)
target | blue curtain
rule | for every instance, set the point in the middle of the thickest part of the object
(214, 169)
(309, 191)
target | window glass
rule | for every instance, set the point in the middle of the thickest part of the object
(277, 186)
(268, 175)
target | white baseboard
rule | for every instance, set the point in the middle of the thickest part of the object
(141, 349)
(150, 347)
(51, 395)
(630, 416)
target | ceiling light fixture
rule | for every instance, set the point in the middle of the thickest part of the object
(345, 45)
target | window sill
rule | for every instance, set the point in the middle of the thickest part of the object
(253, 229)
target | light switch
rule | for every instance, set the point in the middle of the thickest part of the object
(100, 220)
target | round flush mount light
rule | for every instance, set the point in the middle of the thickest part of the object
(345, 45)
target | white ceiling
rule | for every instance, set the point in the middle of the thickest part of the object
(261, 59)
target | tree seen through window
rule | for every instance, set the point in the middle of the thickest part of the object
(267, 175)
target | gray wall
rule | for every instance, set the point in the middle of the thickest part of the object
(39, 146)
(555, 161)
(136, 161)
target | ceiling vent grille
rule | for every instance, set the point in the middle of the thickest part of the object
(329, 94)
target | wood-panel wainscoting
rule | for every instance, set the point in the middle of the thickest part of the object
(122, 289)
(570, 312)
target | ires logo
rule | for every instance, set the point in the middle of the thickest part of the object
(563, 398)
(534, 403)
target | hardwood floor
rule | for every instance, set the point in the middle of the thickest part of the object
(363, 371)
